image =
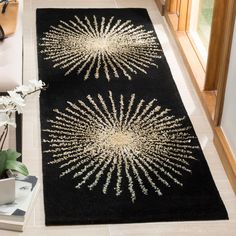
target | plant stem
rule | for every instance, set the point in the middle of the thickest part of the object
(4, 136)
(5, 127)
(31, 92)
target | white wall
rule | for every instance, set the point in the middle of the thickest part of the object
(228, 124)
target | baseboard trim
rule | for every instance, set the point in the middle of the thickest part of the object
(226, 156)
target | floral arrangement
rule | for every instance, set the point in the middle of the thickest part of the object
(10, 104)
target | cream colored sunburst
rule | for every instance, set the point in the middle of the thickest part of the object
(100, 141)
(101, 46)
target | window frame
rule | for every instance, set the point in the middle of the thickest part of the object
(210, 84)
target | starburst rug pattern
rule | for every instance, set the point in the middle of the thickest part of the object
(106, 44)
(117, 143)
(145, 143)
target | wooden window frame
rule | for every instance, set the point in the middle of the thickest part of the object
(220, 56)
(172, 5)
(181, 16)
(209, 83)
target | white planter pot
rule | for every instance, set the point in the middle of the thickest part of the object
(7, 190)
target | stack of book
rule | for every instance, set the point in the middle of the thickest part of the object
(14, 216)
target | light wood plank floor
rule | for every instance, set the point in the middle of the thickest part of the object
(31, 139)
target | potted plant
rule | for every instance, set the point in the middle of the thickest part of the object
(9, 105)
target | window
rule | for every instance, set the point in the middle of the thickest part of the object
(196, 29)
(203, 30)
(200, 27)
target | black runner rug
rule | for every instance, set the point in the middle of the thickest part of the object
(118, 145)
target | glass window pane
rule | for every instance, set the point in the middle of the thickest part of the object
(204, 20)
(200, 26)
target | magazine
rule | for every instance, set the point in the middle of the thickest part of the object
(16, 212)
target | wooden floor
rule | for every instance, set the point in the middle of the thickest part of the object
(31, 135)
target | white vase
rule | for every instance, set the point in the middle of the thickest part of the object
(7, 190)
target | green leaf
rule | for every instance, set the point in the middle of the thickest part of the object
(12, 154)
(17, 166)
(8, 161)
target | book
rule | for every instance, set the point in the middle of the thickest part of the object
(14, 216)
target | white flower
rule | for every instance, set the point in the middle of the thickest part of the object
(7, 109)
(5, 101)
(6, 120)
(17, 100)
(24, 89)
(38, 84)
(6, 104)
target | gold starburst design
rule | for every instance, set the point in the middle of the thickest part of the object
(96, 46)
(106, 140)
